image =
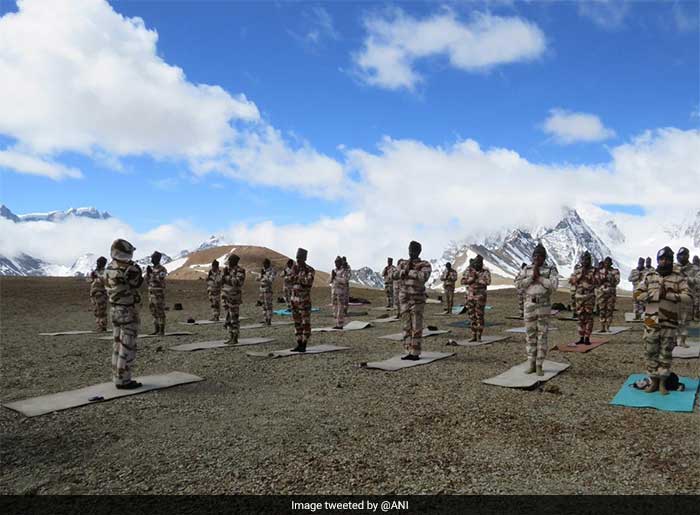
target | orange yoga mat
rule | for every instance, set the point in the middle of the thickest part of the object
(570, 347)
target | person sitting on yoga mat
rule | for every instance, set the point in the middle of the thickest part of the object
(663, 290)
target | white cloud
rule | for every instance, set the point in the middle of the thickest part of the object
(21, 162)
(606, 14)
(395, 40)
(94, 79)
(570, 127)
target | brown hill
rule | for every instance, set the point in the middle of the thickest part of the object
(198, 263)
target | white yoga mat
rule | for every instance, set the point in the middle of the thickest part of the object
(613, 330)
(176, 333)
(521, 330)
(355, 325)
(396, 363)
(629, 317)
(384, 320)
(432, 301)
(216, 344)
(383, 309)
(485, 340)
(74, 398)
(397, 337)
(517, 378)
(317, 349)
(692, 351)
(68, 333)
(203, 322)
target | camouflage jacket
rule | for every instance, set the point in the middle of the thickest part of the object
(543, 287)
(660, 312)
(340, 279)
(266, 278)
(412, 274)
(123, 280)
(232, 282)
(608, 279)
(388, 274)
(98, 281)
(287, 276)
(584, 281)
(449, 278)
(302, 279)
(215, 280)
(636, 276)
(476, 281)
(688, 270)
(156, 277)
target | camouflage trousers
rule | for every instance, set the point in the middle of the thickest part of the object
(638, 308)
(536, 316)
(215, 303)
(476, 305)
(156, 304)
(696, 304)
(521, 303)
(389, 291)
(301, 313)
(584, 313)
(412, 319)
(658, 349)
(573, 301)
(125, 323)
(397, 300)
(341, 298)
(232, 307)
(266, 298)
(287, 292)
(606, 307)
(99, 308)
(449, 298)
(685, 315)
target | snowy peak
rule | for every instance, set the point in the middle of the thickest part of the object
(367, 278)
(213, 241)
(6, 213)
(55, 216)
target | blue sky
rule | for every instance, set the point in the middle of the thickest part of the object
(629, 67)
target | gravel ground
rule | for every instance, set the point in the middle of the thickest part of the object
(319, 424)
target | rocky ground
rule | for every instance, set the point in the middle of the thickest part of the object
(320, 424)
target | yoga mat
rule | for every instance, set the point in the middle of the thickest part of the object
(467, 323)
(74, 398)
(521, 330)
(317, 349)
(692, 351)
(288, 312)
(570, 347)
(355, 325)
(629, 317)
(485, 340)
(203, 322)
(176, 333)
(68, 333)
(516, 377)
(384, 320)
(396, 363)
(216, 344)
(674, 401)
(613, 331)
(399, 336)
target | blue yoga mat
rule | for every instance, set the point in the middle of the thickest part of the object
(288, 312)
(674, 401)
(467, 323)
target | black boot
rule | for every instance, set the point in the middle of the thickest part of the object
(581, 341)
(156, 329)
(411, 357)
(161, 329)
(587, 340)
(301, 347)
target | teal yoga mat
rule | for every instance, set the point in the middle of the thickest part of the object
(674, 401)
(288, 312)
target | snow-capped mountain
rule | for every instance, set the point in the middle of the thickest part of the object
(84, 265)
(54, 216)
(146, 261)
(25, 265)
(213, 241)
(367, 278)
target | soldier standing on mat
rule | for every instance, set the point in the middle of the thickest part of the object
(302, 282)
(340, 285)
(584, 280)
(266, 278)
(287, 283)
(477, 281)
(232, 281)
(155, 278)
(449, 278)
(214, 280)
(387, 275)
(608, 279)
(123, 278)
(98, 294)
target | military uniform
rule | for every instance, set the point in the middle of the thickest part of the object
(340, 281)
(608, 279)
(449, 278)
(520, 292)
(287, 285)
(156, 295)
(685, 314)
(214, 281)
(267, 276)
(636, 276)
(412, 275)
(584, 280)
(123, 279)
(302, 280)
(98, 297)
(696, 291)
(476, 282)
(572, 292)
(661, 317)
(388, 276)
(232, 281)
(537, 309)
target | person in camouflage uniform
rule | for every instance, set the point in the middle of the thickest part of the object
(287, 283)
(388, 276)
(520, 291)
(476, 278)
(696, 296)
(98, 294)
(449, 278)
(635, 277)
(413, 273)
(608, 279)
(155, 278)
(538, 281)
(584, 280)
(572, 291)
(302, 282)
(332, 285)
(598, 291)
(123, 278)
(349, 271)
(663, 291)
(232, 280)
(214, 281)
(686, 308)
(340, 281)
(266, 278)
